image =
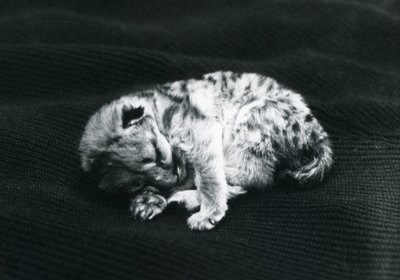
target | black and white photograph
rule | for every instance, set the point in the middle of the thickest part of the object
(199, 140)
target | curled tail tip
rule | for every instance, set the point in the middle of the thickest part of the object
(316, 170)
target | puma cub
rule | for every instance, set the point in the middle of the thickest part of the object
(225, 134)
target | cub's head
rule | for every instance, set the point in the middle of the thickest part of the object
(123, 146)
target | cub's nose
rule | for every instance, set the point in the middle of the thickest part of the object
(165, 179)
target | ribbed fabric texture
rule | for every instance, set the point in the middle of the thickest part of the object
(61, 60)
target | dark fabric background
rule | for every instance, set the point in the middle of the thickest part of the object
(61, 60)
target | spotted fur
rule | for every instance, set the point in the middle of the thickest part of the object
(235, 131)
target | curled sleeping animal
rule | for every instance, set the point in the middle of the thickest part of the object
(225, 134)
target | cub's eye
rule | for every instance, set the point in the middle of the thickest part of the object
(147, 160)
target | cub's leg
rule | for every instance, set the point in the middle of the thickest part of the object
(207, 158)
(148, 204)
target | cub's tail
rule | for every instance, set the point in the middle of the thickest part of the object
(315, 170)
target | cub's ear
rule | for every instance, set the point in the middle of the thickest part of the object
(130, 115)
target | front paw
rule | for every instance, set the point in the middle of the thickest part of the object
(146, 206)
(204, 220)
